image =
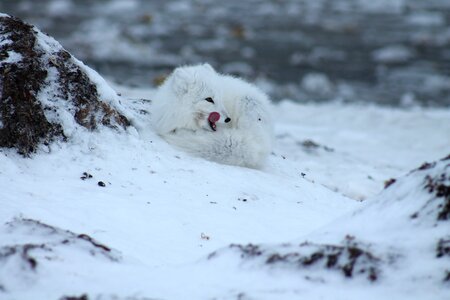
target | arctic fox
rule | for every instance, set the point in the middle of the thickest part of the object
(186, 99)
(217, 117)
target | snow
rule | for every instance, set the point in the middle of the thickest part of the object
(60, 7)
(317, 83)
(366, 144)
(392, 54)
(162, 213)
(427, 19)
(386, 6)
(13, 57)
(62, 111)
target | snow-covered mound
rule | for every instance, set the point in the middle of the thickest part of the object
(401, 239)
(350, 258)
(32, 243)
(46, 94)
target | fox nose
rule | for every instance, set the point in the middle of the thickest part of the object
(227, 120)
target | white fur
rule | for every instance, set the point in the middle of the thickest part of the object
(245, 141)
(180, 102)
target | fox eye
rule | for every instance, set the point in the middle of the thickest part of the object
(209, 99)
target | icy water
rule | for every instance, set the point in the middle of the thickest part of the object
(394, 52)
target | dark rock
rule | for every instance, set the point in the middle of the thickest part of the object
(350, 258)
(443, 248)
(81, 297)
(435, 182)
(439, 186)
(426, 166)
(93, 242)
(36, 77)
(85, 176)
(389, 182)
(23, 252)
(311, 146)
(249, 250)
(24, 124)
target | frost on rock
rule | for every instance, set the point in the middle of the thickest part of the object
(28, 244)
(350, 258)
(435, 183)
(44, 89)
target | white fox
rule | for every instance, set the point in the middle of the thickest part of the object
(217, 117)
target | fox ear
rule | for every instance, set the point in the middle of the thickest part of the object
(181, 81)
(208, 67)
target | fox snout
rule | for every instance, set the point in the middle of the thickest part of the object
(224, 119)
(216, 117)
(219, 117)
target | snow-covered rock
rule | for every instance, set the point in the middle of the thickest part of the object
(46, 93)
(27, 245)
(399, 238)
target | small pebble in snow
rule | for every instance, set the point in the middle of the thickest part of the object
(85, 176)
(389, 182)
(101, 183)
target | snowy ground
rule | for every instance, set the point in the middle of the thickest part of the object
(162, 213)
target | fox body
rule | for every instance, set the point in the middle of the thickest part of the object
(185, 114)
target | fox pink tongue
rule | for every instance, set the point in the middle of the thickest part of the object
(214, 117)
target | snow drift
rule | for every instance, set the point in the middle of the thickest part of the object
(401, 234)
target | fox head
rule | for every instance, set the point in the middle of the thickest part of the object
(199, 101)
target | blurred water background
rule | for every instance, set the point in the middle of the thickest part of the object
(389, 52)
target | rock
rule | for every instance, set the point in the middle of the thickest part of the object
(438, 187)
(45, 91)
(350, 258)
